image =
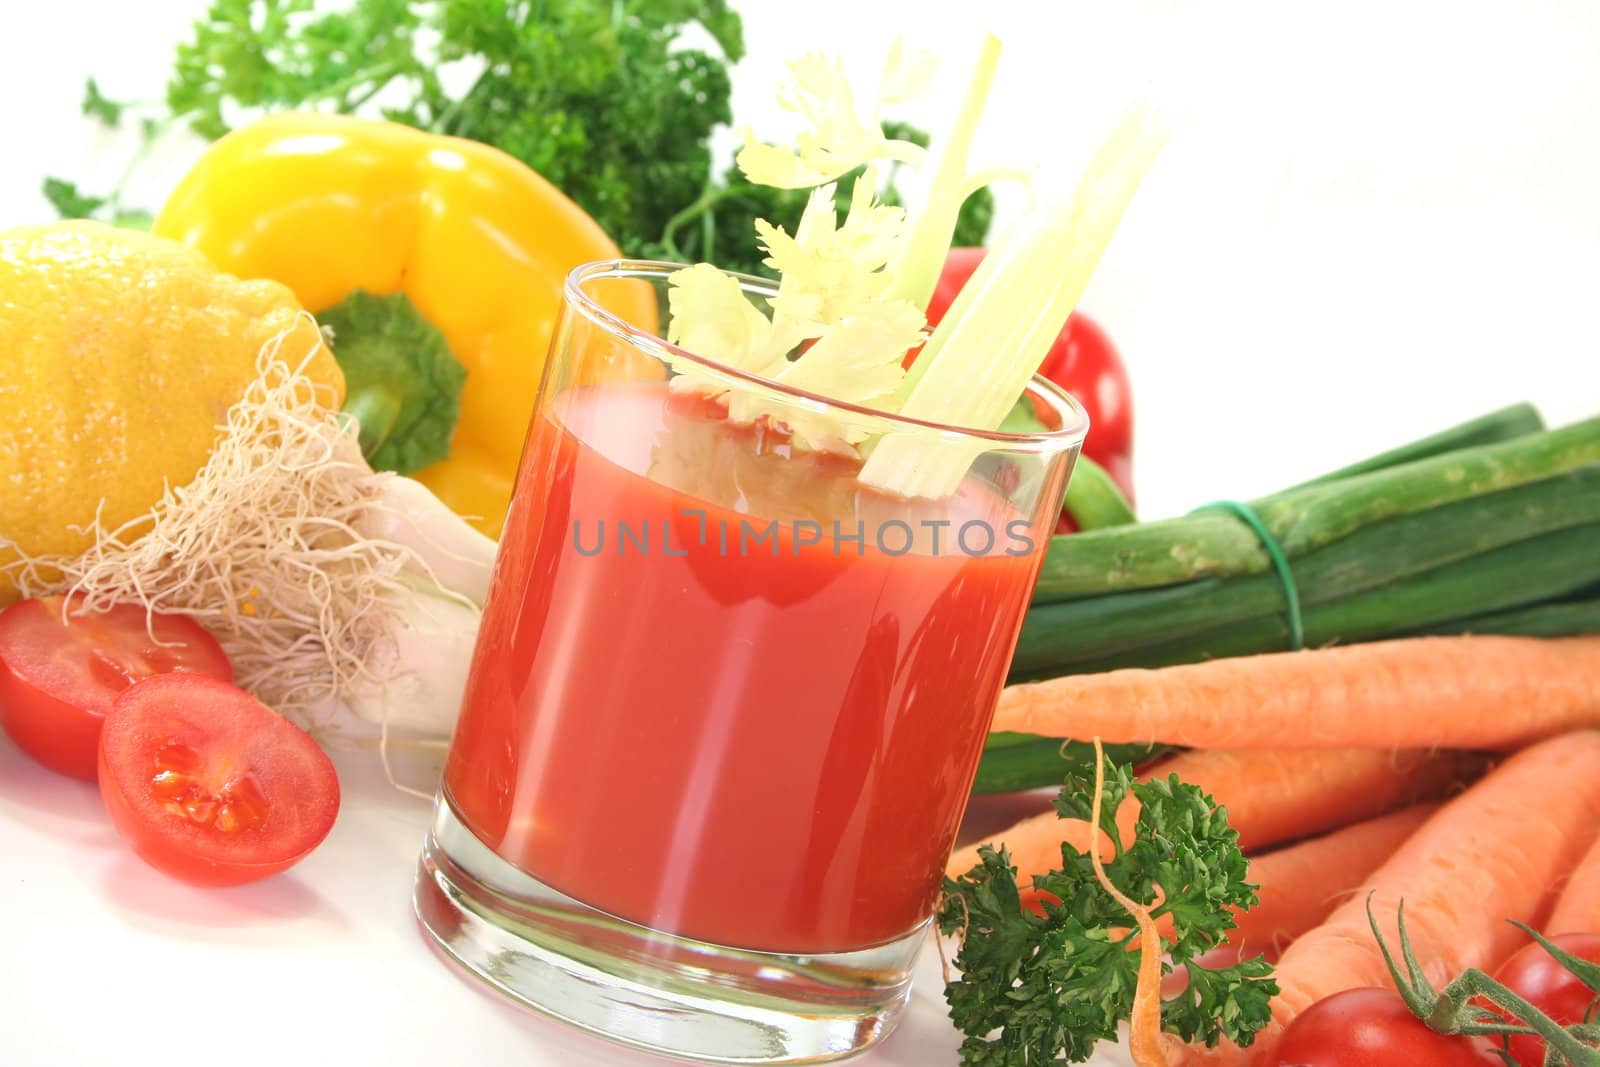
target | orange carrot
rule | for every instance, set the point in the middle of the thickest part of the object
(1487, 856)
(1577, 910)
(1450, 692)
(1270, 796)
(1146, 1044)
(1301, 884)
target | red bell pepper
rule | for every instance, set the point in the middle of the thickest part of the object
(1082, 361)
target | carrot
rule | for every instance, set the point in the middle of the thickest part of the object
(1270, 796)
(1450, 692)
(1577, 910)
(1487, 856)
(1298, 886)
(1301, 884)
(1146, 1044)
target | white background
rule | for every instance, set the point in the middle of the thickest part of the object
(1375, 219)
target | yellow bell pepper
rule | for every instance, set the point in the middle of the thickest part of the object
(478, 243)
(120, 355)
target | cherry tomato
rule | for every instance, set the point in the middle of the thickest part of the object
(210, 785)
(1540, 979)
(59, 674)
(1082, 361)
(1374, 1028)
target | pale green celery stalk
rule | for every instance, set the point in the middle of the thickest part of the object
(917, 270)
(955, 393)
(1009, 313)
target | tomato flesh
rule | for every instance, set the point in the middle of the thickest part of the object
(1540, 979)
(60, 671)
(210, 785)
(1374, 1028)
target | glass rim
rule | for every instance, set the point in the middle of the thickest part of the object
(1074, 418)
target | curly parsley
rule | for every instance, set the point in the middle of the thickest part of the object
(613, 101)
(1040, 989)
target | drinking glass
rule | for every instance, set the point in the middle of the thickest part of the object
(728, 699)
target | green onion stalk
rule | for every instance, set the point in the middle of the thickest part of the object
(1489, 527)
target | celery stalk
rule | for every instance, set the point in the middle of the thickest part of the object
(916, 272)
(998, 330)
(877, 271)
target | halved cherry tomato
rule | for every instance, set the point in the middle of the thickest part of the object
(1540, 979)
(1374, 1028)
(59, 673)
(210, 785)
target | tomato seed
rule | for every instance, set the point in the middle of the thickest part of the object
(243, 806)
(180, 781)
(179, 759)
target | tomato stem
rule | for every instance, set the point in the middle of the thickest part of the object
(1588, 973)
(1452, 1011)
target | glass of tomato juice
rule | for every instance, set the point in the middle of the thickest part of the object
(727, 701)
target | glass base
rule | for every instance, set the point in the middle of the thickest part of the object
(644, 987)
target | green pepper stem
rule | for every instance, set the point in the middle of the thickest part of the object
(376, 409)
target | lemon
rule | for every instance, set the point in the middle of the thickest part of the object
(120, 355)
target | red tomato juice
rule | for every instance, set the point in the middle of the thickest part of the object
(763, 743)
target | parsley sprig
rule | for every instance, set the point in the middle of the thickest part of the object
(614, 101)
(1038, 989)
